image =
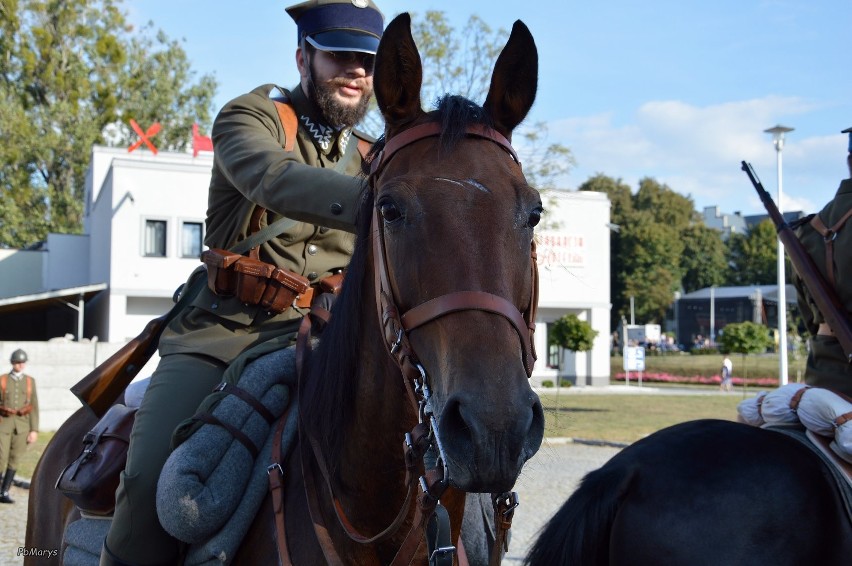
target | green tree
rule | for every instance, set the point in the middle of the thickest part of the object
(667, 207)
(753, 257)
(706, 264)
(573, 334)
(745, 338)
(621, 197)
(72, 73)
(660, 246)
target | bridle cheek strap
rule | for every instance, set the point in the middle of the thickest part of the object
(473, 300)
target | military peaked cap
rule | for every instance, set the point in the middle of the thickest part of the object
(339, 25)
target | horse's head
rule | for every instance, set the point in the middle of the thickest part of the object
(454, 227)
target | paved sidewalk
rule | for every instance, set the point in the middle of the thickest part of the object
(13, 525)
(545, 483)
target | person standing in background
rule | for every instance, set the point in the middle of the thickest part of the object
(18, 419)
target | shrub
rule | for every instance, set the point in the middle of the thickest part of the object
(565, 383)
(546, 383)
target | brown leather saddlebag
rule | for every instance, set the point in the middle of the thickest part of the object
(90, 481)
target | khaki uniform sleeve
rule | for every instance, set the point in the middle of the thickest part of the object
(247, 138)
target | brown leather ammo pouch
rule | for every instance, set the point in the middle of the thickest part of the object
(252, 277)
(90, 481)
(282, 288)
(220, 276)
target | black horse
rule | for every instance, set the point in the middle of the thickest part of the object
(706, 492)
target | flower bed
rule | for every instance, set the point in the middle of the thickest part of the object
(697, 379)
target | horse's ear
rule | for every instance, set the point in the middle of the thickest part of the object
(398, 75)
(514, 81)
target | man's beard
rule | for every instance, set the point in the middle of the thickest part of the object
(335, 113)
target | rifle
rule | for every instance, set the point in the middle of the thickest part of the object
(824, 295)
(104, 384)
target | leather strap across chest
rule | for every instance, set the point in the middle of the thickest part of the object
(829, 234)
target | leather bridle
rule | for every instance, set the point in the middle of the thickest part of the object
(429, 514)
(396, 326)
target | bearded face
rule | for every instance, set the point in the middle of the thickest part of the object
(340, 86)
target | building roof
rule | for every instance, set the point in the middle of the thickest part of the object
(41, 300)
(768, 293)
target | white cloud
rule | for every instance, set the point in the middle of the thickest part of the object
(697, 151)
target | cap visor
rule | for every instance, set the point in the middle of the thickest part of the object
(343, 40)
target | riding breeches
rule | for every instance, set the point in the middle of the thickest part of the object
(177, 387)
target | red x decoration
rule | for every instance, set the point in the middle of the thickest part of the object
(144, 136)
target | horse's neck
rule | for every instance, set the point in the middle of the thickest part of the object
(369, 479)
(383, 412)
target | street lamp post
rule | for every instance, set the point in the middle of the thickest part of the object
(778, 139)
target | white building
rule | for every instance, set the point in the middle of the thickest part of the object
(574, 275)
(143, 233)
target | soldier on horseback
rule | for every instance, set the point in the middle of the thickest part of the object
(823, 236)
(285, 159)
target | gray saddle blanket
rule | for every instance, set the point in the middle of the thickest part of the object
(799, 432)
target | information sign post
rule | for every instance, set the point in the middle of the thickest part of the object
(634, 360)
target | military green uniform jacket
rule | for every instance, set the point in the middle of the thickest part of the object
(250, 167)
(15, 397)
(826, 366)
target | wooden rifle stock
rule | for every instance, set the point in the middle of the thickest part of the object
(823, 294)
(104, 384)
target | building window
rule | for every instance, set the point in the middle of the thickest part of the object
(552, 351)
(191, 236)
(155, 238)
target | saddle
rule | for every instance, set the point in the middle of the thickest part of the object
(816, 417)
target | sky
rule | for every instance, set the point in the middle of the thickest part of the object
(675, 90)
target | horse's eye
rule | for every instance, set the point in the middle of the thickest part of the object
(389, 211)
(535, 218)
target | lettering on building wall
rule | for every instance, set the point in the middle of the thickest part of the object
(561, 249)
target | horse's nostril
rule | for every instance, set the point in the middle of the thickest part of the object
(455, 428)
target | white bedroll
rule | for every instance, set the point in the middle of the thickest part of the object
(820, 411)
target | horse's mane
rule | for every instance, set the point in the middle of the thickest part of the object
(327, 393)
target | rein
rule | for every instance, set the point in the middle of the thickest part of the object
(430, 516)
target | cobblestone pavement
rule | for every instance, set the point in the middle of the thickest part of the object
(546, 482)
(13, 525)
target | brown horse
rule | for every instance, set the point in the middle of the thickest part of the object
(433, 326)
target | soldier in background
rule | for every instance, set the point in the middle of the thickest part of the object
(828, 240)
(18, 419)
